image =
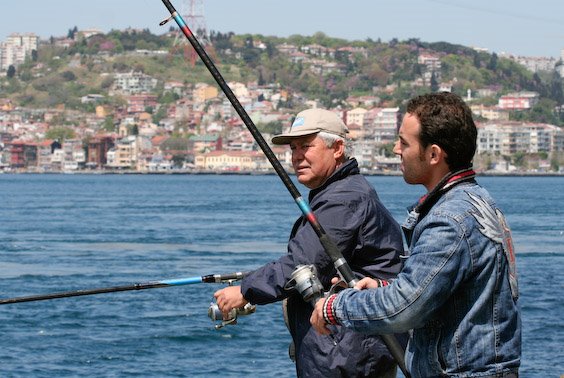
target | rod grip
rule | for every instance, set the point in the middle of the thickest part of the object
(339, 261)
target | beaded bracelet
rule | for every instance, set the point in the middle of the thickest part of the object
(382, 283)
(328, 314)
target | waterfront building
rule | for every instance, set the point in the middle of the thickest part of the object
(98, 148)
(508, 138)
(232, 161)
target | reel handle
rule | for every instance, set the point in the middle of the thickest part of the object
(215, 314)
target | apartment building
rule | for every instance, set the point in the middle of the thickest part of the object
(509, 138)
(382, 126)
(16, 49)
(355, 115)
(133, 82)
(518, 100)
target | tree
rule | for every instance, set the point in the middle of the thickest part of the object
(492, 65)
(477, 61)
(160, 114)
(11, 71)
(109, 124)
(274, 127)
(260, 78)
(72, 33)
(543, 112)
(388, 150)
(434, 82)
(60, 133)
(556, 92)
(68, 76)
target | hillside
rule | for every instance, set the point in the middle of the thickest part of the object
(317, 67)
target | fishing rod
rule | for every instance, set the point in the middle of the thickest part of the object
(211, 278)
(330, 247)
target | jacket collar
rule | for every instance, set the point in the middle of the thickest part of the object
(448, 182)
(348, 168)
(422, 207)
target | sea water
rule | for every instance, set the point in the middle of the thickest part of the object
(72, 232)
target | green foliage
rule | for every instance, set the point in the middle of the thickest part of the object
(388, 150)
(108, 124)
(68, 76)
(176, 144)
(542, 112)
(59, 77)
(60, 133)
(11, 72)
(275, 127)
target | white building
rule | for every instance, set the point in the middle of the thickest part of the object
(16, 49)
(508, 138)
(384, 128)
(536, 64)
(134, 82)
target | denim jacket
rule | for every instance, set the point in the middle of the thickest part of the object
(457, 292)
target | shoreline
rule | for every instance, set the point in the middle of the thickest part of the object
(260, 173)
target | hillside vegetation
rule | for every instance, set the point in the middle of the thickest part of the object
(57, 75)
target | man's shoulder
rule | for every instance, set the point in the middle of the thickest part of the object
(353, 187)
(459, 202)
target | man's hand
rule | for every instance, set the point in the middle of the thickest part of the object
(367, 283)
(317, 320)
(229, 298)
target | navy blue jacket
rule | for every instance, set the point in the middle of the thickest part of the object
(350, 212)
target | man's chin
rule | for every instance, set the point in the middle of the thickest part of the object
(302, 179)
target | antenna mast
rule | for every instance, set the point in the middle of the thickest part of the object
(192, 11)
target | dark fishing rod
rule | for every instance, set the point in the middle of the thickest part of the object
(332, 250)
(330, 247)
(211, 278)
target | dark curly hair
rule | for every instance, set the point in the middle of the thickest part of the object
(446, 121)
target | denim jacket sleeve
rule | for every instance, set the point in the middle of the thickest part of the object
(438, 263)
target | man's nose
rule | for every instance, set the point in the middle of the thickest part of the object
(396, 150)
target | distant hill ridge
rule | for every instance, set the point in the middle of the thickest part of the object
(318, 67)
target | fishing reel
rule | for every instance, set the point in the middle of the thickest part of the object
(216, 315)
(304, 279)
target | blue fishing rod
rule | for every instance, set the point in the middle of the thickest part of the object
(330, 247)
(211, 278)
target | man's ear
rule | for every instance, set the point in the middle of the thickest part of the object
(338, 149)
(437, 154)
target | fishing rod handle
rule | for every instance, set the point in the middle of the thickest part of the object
(224, 278)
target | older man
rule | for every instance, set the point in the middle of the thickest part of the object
(349, 210)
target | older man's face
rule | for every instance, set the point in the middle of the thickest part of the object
(312, 160)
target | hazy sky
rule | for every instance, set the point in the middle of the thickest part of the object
(519, 27)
